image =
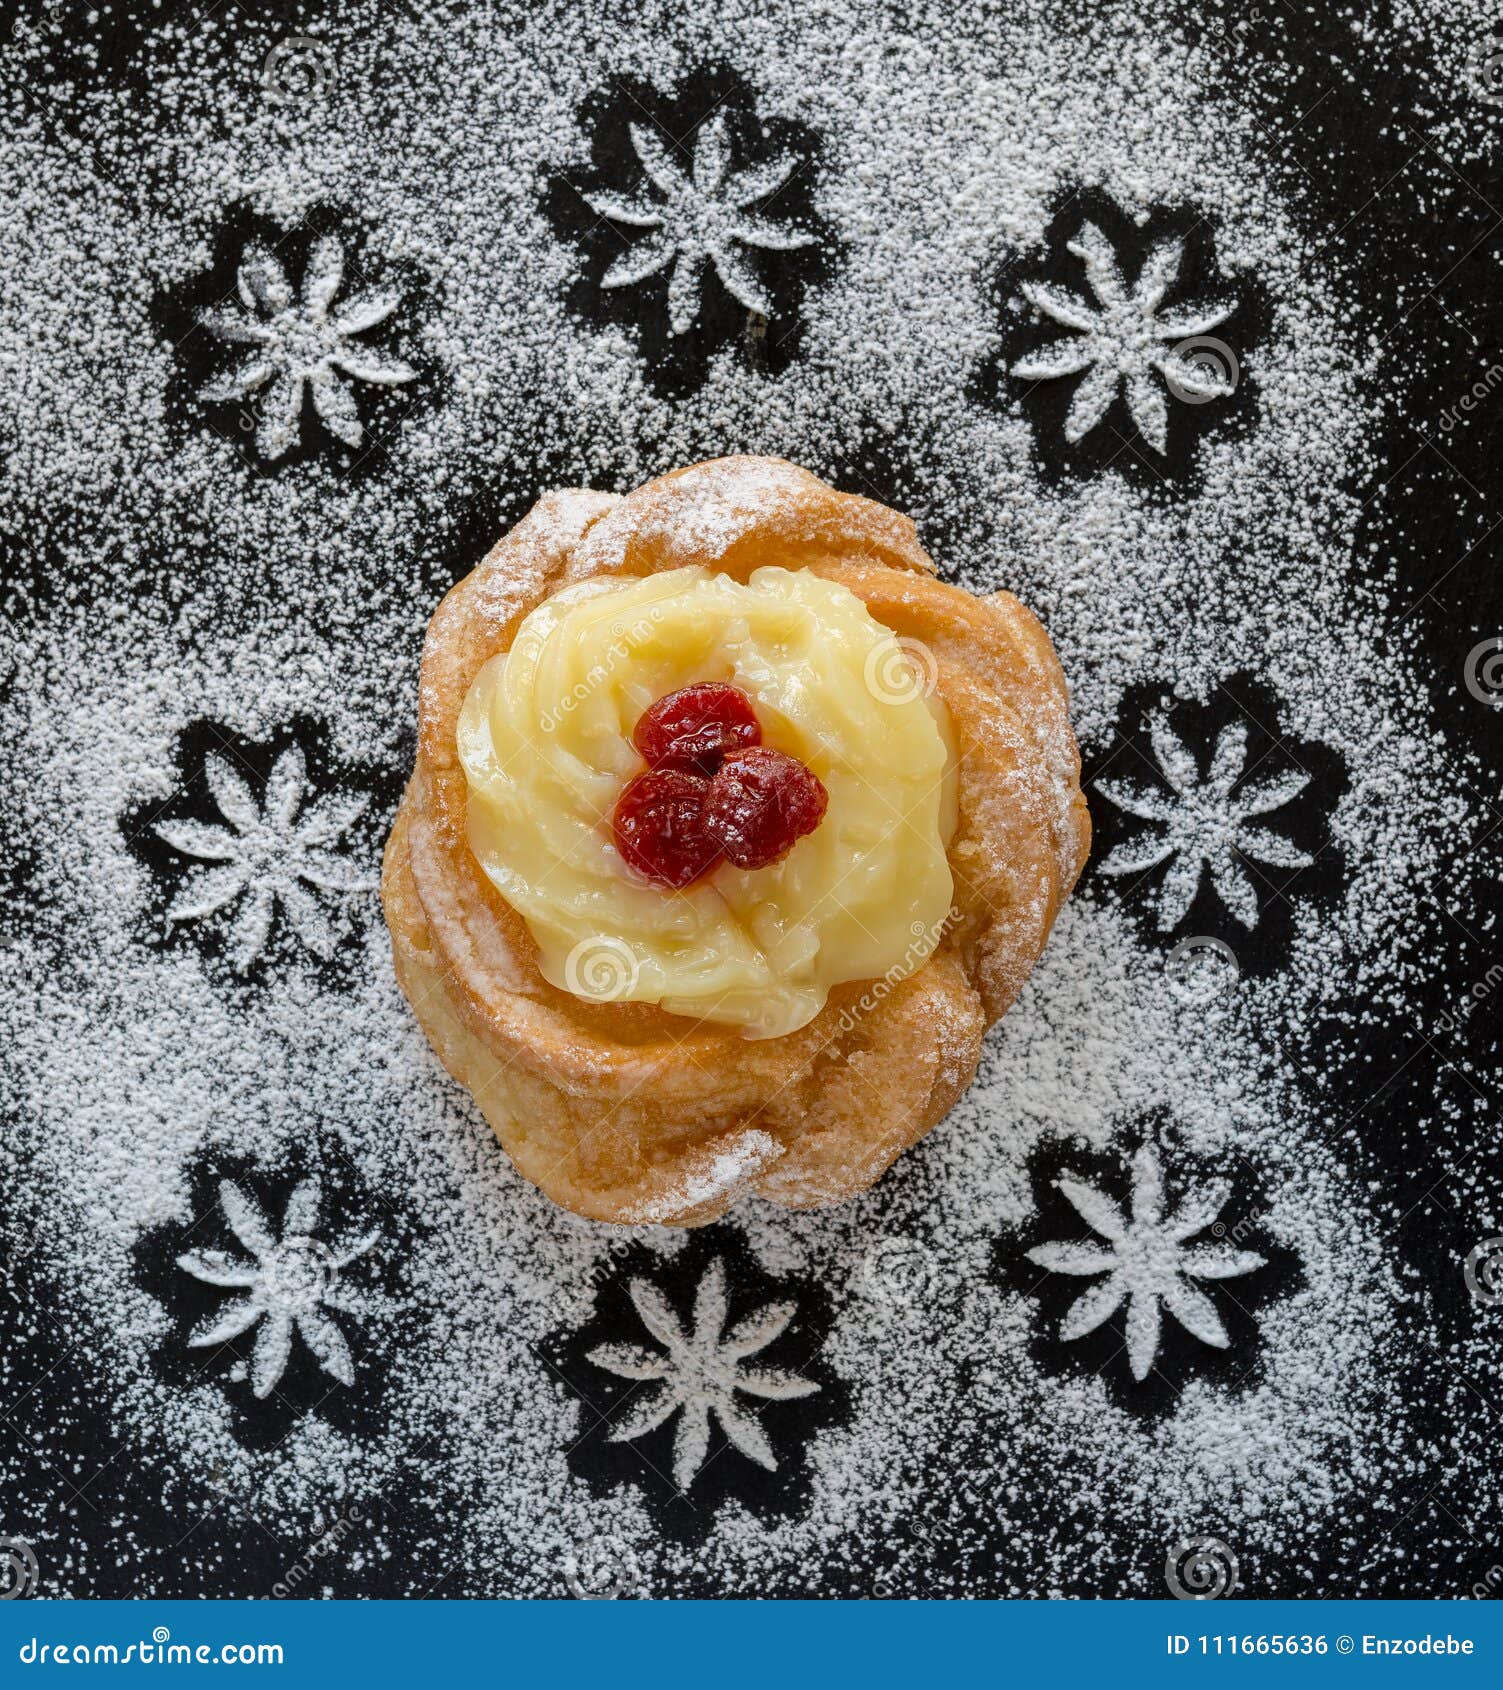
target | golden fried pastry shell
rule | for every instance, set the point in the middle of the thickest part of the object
(622, 1111)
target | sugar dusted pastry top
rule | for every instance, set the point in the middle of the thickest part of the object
(545, 739)
(624, 1108)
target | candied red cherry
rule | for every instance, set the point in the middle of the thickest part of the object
(694, 727)
(656, 824)
(759, 803)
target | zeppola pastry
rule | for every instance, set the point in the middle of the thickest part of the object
(732, 829)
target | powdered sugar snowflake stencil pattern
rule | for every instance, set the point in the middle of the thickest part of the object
(1207, 824)
(1148, 1261)
(1124, 339)
(701, 1372)
(703, 217)
(184, 595)
(299, 343)
(290, 1286)
(268, 856)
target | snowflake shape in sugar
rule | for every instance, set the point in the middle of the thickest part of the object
(266, 857)
(290, 1286)
(1124, 339)
(298, 342)
(699, 1371)
(703, 217)
(1207, 824)
(1148, 1261)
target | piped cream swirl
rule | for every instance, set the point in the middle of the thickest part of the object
(545, 740)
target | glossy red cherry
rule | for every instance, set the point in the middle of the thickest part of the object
(657, 827)
(696, 726)
(760, 803)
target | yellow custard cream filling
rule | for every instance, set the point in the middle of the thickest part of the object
(545, 739)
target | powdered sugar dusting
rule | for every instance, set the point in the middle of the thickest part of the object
(167, 580)
(731, 1164)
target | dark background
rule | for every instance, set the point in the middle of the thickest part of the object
(1351, 136)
